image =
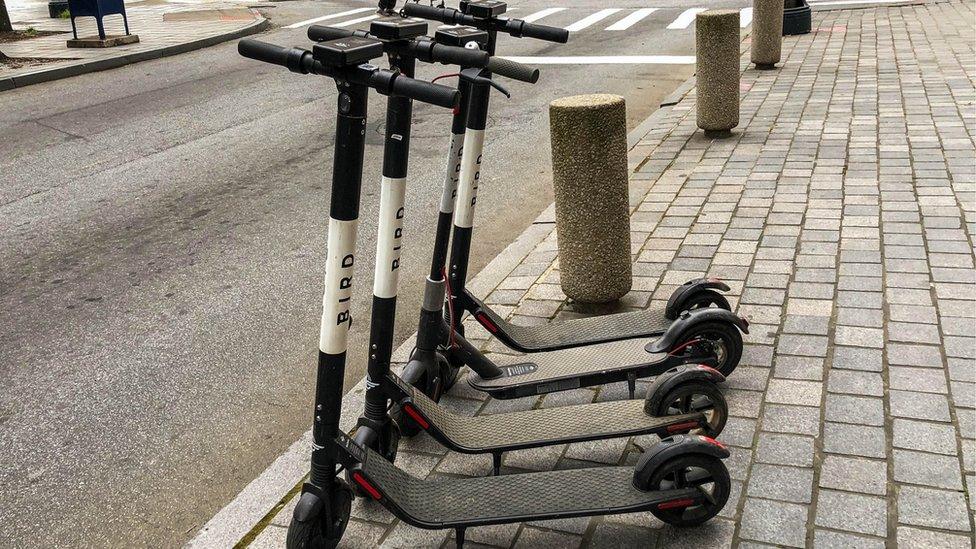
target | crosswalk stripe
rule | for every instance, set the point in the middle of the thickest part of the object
(745, 17)
(325, 17)
(587, 21)
(355, 21)
(607, 60)
(631, 19)
(540, 14)
(686, 18)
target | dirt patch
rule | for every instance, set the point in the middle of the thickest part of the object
(18, 35)
(22, 62)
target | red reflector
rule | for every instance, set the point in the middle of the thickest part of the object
(687, 426)
(707, 368)
(486, 322)
(713, 441)
(415, 415)
(365, 485)
(676, 503)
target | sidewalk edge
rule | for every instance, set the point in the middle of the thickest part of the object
(275, 486)
(47, 75)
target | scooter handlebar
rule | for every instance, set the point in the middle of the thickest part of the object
(444, 15)
(321, 33)
(514, 27)
(517, 27)
(296, 59)
(427, 92)
(452, 55)
(513, 70)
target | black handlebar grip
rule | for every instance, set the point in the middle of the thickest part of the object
(465, 57)
(444, 15)
(513, 70)
(293, 58)
(544, 32)
(435, 94)
(321, 33)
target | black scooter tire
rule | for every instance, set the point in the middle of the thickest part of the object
(720, 409)
(706, 298)
(312, 534)
(726, 333)
(693, 516)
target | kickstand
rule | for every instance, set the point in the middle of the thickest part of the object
(496, 463)
(632, 383)
(459, 537)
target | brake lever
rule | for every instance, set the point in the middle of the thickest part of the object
(473, 75)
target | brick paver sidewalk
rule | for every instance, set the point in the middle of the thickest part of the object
(842, 214)
(163, 27)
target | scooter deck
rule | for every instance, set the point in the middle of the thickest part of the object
(566, 369)
(510, 498)
(547, 426)
(581, 331)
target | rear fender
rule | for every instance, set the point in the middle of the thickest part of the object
(666, 382)
(680, 295)
(672, 447)
(687, 320)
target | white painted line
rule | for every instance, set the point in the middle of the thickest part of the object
(631, 19)
(325, 17)
(856, 2)
(608, 60)
(745, 17)
(587, 21)
(686, 18)
(540, 14)
(355, 21)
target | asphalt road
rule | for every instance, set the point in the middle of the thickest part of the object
(162, 239)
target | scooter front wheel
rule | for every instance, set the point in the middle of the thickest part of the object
(322, 529)
(697, 396)
(706, 298)
(707, 473)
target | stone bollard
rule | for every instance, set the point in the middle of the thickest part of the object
(717, 73)
(767, 33)
(589, 175)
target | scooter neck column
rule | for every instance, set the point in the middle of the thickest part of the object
(386, 276)
(442, 237)
(347, 175)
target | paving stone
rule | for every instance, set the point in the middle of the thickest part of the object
(914, 405)
(855, 383)
(917, 379)
(791, 419)
(781, 483)
(855, 440)
(499, 535)
(576, 525)
(805, 324)
(403, 535)
(828, 539)
(799, 367)
(932, 508)
(611, 535)
(859, 337)
(802, 345)
(939, 438)
(914, 537)
(774, 522)
(714, 533)
(853, 358)
(788, 391)
(854, 475)
(914, 355)
(781, 449)
(927, 469)
(852, 512)
(532, 537)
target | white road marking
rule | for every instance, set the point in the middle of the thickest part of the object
(540, 14)
(325, 17)
(855, 2)
(355, 21)
(631, 19)
(745, 17)
(686, 18)
(587, 21)
(608, 60)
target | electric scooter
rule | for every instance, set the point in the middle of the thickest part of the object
(681, 480)
(706, 335)
(705, 409)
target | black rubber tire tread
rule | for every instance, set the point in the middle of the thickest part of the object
(720, 475)
(446, 503)
(703, 388)
(729, 334)
(583, 331)
(543, 426)
(310, 534)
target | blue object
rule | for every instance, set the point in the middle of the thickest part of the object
(97, 9)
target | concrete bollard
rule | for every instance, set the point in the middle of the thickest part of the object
(589, 175)
(717, 51)
(767, 33)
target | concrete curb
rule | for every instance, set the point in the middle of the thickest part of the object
(47, 75)
(246, 516)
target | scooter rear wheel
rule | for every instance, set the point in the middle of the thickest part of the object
(705, 472)
(721, 338)
(313, 533)
(697, 396)
(706, 298)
